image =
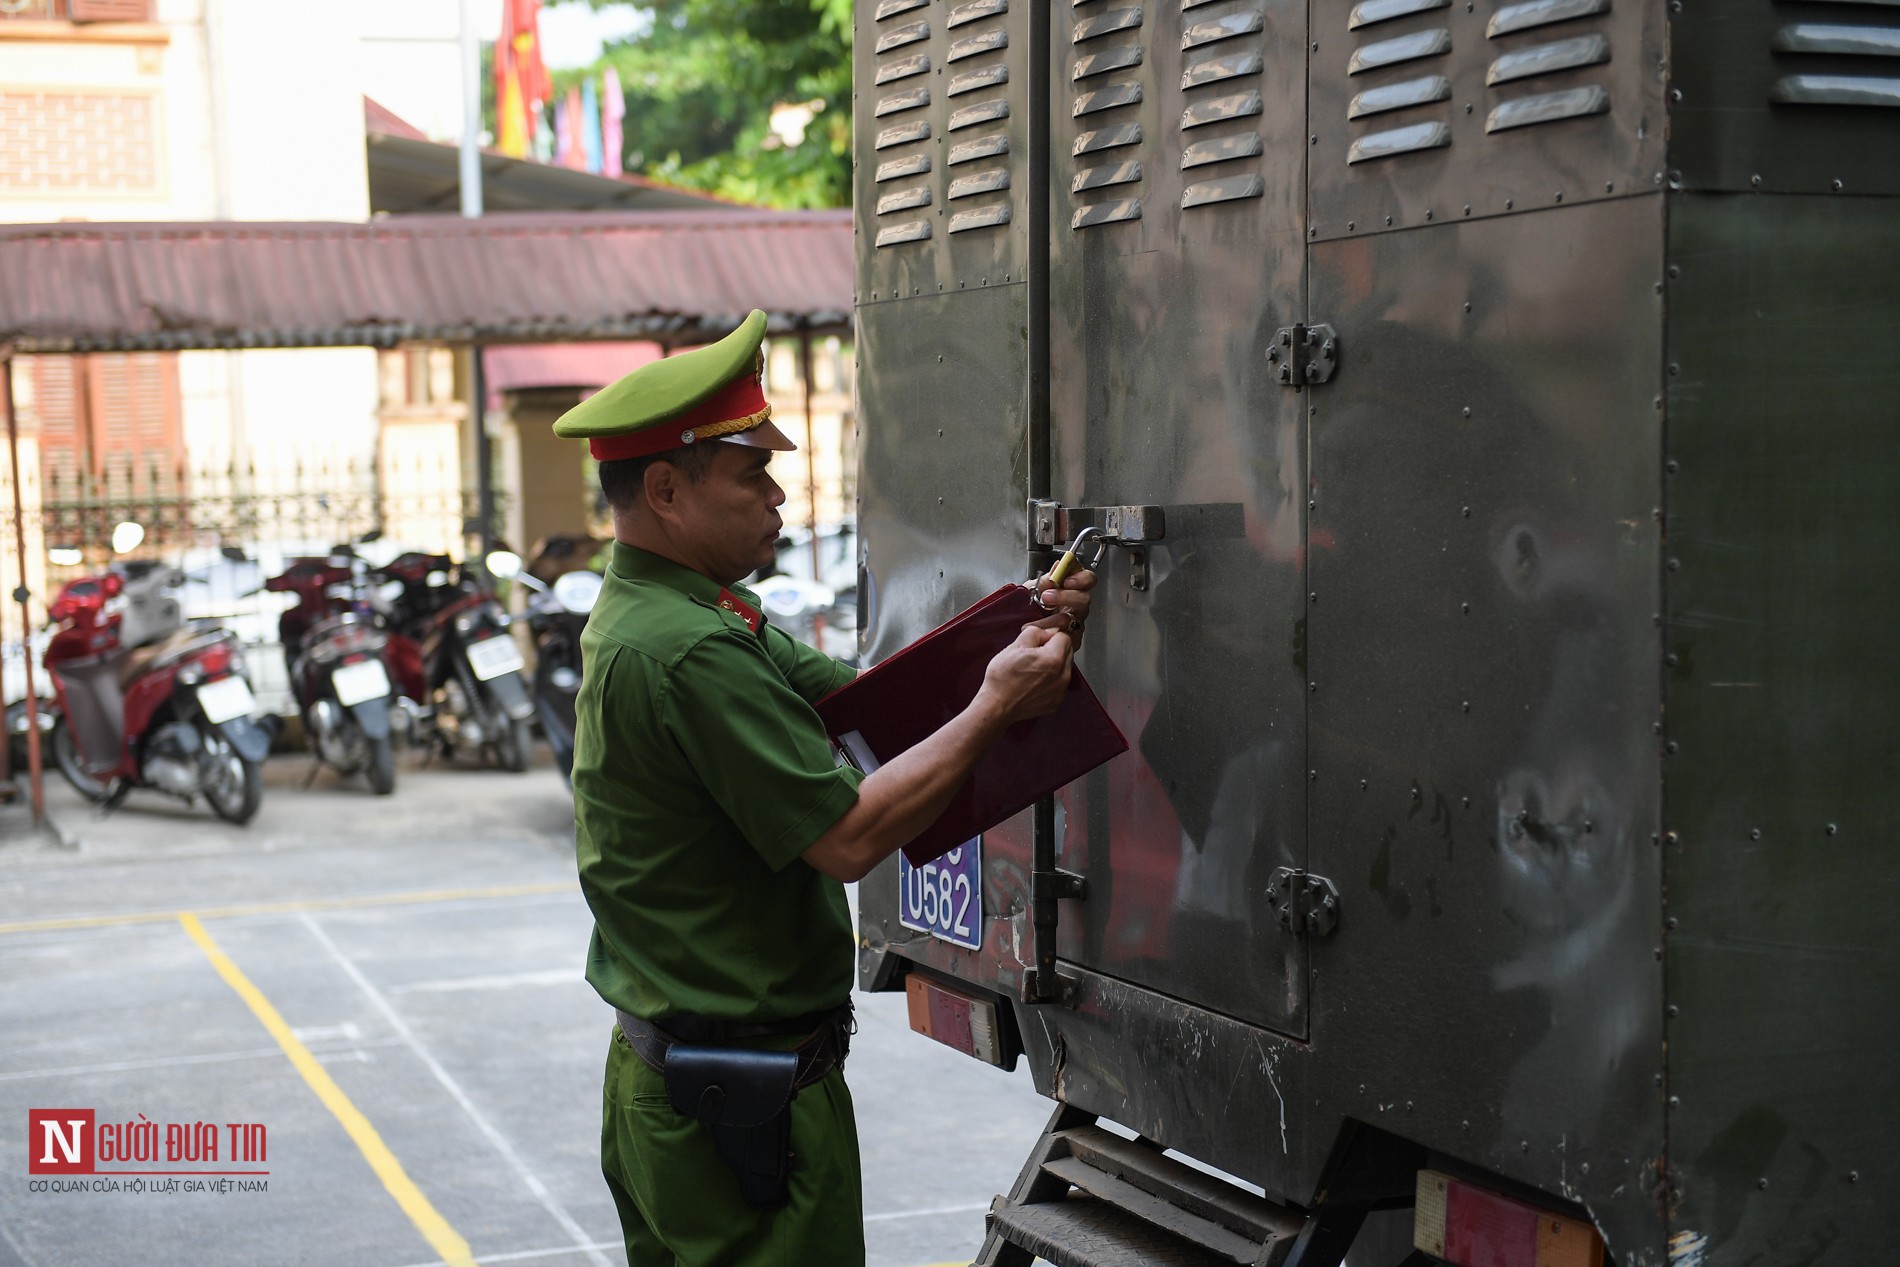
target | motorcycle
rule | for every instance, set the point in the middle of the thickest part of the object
(335, 651)
(146, 700)
(455, 662)
(561, 594)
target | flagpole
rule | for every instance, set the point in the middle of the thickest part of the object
(471, 113)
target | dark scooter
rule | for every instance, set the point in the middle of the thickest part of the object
(455, 662)
(335, 653)
(143, 705)
(562, 593)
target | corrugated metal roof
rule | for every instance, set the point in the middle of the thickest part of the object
(671, 277)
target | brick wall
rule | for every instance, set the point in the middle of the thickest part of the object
(66, 142)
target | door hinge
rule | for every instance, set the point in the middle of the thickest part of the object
(1302, 355)
(1303, 902)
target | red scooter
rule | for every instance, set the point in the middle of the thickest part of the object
(146, 701)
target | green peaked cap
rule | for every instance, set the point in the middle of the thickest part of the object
(665, 388)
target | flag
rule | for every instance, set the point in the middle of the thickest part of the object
(590, 127)
(573, 151)
(521, 78)
(613, 108)
(563, 135)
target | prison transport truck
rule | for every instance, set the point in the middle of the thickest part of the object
(1492, 412)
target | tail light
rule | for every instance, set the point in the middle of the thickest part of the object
(1469, 1226)
(215, 659)
(956, 1019)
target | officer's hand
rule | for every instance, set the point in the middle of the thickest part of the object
(1071, 602)
(1029, 677)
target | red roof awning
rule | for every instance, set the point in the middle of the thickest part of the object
(673, 278)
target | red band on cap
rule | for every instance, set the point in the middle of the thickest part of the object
(740, 398)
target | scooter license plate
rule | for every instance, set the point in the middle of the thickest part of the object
(944, 898)
(492, 657)
(356, 683)
(226, 699)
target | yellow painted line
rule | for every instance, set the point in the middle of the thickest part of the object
(289, 908)
(435, 1229)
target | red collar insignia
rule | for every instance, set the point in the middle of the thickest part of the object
(728, 601)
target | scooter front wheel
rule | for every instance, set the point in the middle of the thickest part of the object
(234, 787)
(73, 766)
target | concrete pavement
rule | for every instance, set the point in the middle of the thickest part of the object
(391, 989)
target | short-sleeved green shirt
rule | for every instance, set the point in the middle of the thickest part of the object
(701, 774)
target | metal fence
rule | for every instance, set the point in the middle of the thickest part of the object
(229, 529)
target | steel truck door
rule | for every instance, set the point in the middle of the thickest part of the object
(1176, 223)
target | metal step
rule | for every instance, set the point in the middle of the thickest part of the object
(1091, 1198)
(1084, 1232)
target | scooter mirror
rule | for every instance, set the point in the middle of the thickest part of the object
(505, 564)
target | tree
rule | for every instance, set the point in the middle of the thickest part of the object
(702, 82)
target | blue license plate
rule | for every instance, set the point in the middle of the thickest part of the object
(944, 898)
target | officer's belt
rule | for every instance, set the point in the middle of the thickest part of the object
(827, 1037)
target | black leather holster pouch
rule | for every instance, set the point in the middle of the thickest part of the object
(744, 1098)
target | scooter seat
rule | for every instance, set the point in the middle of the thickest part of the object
(139, 660)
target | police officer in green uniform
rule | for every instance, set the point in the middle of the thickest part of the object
(716, 831)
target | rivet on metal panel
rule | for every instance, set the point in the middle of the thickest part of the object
(1428, 214)
(1588, 826)
(1465, 1125)
(1761, 1183)
(1675, 564)
(1755, 180)
(1838, 186)
(1560, 195)
(1465, 608)
(1363, 785)
(1465, 707)
(1525, 1145)
(1312, 686)
(1585, 1168)
(1609, 186)
(1312, 233)
(1831, 829)
(1467, 107)
(1675, 94)
(1675, 180)
(1467, 208)
(1388, 220)
(1316, 47)
(1658, 952)
(1467, 305)
(1754, 833)
(1675, 270)
(1467, 512)
(1853, 1176)
(1350, 226)
(1509, 203)
(1464, 802)
(1467, 411)
(1312, 598)
(1675, 1101)
(1673, 839)
(1674, 1010)
(1312, 140)
(1670, 660)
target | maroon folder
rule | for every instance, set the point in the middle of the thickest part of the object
(891, 708)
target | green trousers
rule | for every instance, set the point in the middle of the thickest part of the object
(680, 1205)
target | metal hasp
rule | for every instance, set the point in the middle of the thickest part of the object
(1133, 528)
(1304, 354)
(1305, 903)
